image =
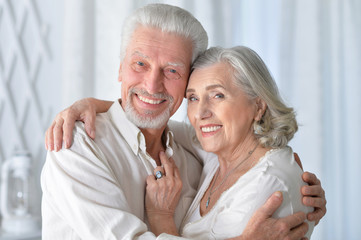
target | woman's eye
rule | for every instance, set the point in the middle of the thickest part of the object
(192, 98)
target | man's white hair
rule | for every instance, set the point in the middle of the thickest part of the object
(170, 19)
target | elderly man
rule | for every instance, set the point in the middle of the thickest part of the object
(95, 189)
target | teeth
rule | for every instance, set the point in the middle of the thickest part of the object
(150, 101)
(210, 129)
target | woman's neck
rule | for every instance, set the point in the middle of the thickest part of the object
(243, 152)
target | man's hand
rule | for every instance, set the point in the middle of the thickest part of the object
(314, 196)
(263, 227)
(61, 130)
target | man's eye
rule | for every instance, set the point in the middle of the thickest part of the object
(171, 73)
(140, 63)
(219, 95)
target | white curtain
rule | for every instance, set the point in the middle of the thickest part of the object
(312, 48)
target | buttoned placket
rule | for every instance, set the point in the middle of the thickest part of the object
(149, 163)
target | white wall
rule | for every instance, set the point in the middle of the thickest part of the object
(312, 47)
(30, 77)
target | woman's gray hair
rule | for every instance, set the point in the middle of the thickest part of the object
(278, 124)
(169, 19)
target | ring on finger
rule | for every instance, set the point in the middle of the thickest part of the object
(158, 175)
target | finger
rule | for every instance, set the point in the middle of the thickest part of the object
(314, 190)
(315, 202)
(295, 219)
(49, 138)
(168, 166)
(316, 215)
(89, 124)
(149, 179)
(155, 172)
(271, 205)
(177, 173)
(58, 134)
(178, 178)
(151, 186)
(68, 127)
(299, 231)
(310, 178)
(298, 160)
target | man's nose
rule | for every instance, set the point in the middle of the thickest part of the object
(154, 81)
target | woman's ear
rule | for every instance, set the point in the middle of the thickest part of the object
(120, 73)
(261, 108)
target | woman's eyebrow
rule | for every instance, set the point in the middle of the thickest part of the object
(214, 86)
(210, 87)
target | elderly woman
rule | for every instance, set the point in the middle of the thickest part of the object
(237, 113)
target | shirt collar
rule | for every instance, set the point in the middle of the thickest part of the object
(132, 134)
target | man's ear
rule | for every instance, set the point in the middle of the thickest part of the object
(261, 108)
(120, 73)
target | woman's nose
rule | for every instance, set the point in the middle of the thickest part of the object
(203, 111)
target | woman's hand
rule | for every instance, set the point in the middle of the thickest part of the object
(61, 130)
(162, 195)
(314, 196)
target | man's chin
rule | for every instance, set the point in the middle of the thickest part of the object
(147, 120)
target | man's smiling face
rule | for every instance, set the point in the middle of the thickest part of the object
(154, 74)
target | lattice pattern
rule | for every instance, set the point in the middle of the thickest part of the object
(24, 53)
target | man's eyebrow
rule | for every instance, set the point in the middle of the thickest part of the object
(137, 53)
(176, 64)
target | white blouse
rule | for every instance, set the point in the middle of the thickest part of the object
(276, 171)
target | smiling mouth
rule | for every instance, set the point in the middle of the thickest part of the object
(210, 129)
(150, 101)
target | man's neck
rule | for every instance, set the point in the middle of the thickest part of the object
(154, 143)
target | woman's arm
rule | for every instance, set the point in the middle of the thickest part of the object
(61, 130)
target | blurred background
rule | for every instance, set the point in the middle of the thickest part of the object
(54, 52)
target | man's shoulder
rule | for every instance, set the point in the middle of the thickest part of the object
(102, 121)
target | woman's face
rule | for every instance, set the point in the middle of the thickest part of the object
(220, 112)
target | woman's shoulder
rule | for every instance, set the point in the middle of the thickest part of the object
(280, 159)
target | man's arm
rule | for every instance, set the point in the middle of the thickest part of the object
(263, 227)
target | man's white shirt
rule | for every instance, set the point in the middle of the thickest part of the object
(96, 189)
